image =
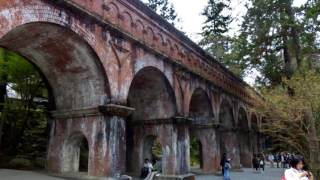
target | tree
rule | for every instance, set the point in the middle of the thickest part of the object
(216, 23)
(278, 36)
(164, 9)
(21, 113)
(215, 40)
(294, 121)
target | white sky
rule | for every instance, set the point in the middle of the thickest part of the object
(189, 12)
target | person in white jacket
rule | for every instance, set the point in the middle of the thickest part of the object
(296, 171)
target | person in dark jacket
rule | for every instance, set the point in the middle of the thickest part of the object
(223, 162)
(255, 162)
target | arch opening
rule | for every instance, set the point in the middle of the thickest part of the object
(226, 118)
(196, 154)
(76, 153)
(200, 106)
(70, 65)
(229, 142)
(71, 69)
(152, 150)
(25, 99)
(151, 95)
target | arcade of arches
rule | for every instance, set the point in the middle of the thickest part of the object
(121, 83)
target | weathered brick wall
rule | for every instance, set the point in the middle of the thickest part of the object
(92, 52)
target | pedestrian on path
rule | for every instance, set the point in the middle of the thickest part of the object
(222, 162)
(255, 162)
(271, 159)
(262, 163)
(227, 167)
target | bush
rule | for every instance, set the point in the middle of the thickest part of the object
(40, 162)
(20, 163)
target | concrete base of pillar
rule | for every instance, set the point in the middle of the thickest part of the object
(176, 177)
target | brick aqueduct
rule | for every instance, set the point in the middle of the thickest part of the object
(120, 76)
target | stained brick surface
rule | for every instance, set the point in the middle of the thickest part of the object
(93, 53)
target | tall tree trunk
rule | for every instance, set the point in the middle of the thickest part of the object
(291, 43)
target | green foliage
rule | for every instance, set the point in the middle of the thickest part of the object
(225, 49)
(274, 37)
(195, 152)
(278, 37)
(23, 120)
(216, 22)
(164, 9)
(20, 163)
(157, 149)
(294, 121)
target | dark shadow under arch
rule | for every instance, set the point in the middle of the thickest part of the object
(151, 95)
(226, 117)
(200, 108)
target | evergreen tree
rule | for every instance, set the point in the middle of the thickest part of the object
(215, 40)
(273, 33)
(164, 9)
(216, 23)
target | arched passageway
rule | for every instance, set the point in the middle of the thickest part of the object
(229, 143)
(77, 82)
(153, 98)
(244, 139)
(152, 150)
(151, 95)
(203, 140)
(196, 156)
(76, 153)
(24, 101)
(200, 107)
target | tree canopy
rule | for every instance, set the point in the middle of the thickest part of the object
(164, 9)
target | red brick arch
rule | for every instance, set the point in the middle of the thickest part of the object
(21, 13)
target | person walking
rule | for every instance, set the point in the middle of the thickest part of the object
(222, 162)
(271, 159)
(226, 172)
(255, 162)
(282, 160)
(278, 157)
(262, 163)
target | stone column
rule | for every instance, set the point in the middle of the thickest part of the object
(183, 148)
(245, 148)
(104, 129)
(210, 146)
(230, 145)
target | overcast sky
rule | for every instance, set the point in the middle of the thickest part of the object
(189, 12)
